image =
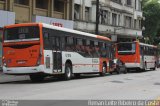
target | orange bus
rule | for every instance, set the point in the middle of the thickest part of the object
(137, 55)
(39, 50)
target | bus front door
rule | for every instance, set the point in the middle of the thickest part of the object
(142, 57)
(57, 55)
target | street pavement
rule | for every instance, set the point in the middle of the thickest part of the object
(131, 86)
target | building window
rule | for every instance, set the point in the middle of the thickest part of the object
(135, 23)
(119, 20)
(104, 17)
(108, 17)
(117, 1)
(140, 24)
(114, 19)
(128, 22)
(22, 2)
(135, 4)
(59, 5)
(77, 12)
(87, 13)
(43, 4)
(139, 5)
(128, 2)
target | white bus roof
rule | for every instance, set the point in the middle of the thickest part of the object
(143, 44)
(74, 31)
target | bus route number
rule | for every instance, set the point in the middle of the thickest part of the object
(68, 55)
(95, 61)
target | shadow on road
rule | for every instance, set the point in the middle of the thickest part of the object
(51, 79)
(54, 79)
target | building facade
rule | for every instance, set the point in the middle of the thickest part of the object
(27, 10)
(118, 19)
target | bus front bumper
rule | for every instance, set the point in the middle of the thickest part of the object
(132, 65)
(23, 70)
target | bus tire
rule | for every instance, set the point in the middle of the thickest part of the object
(118, 71)
(154, 67)
(145, 66)
(125, 71)
(103, 73)
(128, 70)
(36, 77)
(68, 72)
(77, 75)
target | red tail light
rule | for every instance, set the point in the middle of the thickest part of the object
(4, 61)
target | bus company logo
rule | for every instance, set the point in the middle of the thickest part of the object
(9, 103)
(57, 24)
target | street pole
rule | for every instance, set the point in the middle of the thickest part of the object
(97, 18)
(113, 37)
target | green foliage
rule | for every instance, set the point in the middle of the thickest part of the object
(151, 13)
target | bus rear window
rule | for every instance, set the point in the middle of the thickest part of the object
(20, 33)
(126, 48)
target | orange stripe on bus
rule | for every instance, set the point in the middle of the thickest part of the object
(103, 38)
(41, 42)
(84, 64)
(21, 43)
(21, 25)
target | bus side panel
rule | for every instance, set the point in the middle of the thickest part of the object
(149, 61)
(80, 64)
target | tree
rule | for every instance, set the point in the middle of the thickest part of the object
(151, 10)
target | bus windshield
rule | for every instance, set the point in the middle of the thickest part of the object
(126, 48)
(22, 33)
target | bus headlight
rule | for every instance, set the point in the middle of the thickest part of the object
(4, 62)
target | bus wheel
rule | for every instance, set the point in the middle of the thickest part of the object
(125, 71)
(68, 72)
(103, 73)
(111, 72)
(118, 71)
(145, 66)
(77, 75)
(154, 67)
(36, 77)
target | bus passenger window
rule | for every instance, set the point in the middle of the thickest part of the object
(96, 53)
(83, 45)
(92, 48)
(46, 41)
(69, 43)
(57, 44)
(52, 41)
(78, 45)
(87, 49)
(103, 52)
